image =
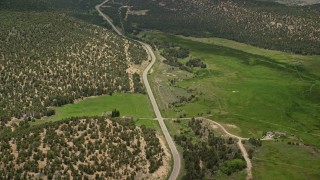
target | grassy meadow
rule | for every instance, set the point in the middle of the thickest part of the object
(255, 89)
(132, 105)
(279, 160)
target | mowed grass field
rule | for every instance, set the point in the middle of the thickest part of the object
(255, 89)
(132, 105)
(278, 160)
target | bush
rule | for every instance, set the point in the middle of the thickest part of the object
(232, 166)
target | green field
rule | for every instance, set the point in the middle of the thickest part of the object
(278, 160)
(133, 105)
(257, 90)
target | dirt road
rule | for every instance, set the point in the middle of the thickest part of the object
(240, 145)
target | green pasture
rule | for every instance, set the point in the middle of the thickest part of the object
(255, 89)
(279, 160)
(132, 105)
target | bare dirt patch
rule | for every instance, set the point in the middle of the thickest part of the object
(231, 125)
(138, 12)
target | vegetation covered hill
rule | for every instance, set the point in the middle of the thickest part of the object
(264, 24)
(79, 9)
(40, 5)
(48, 58)
(95, 148)
(296, 2)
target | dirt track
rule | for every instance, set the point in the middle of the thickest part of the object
(241, 146)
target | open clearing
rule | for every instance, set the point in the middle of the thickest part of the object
(132, 105)
(255, 89)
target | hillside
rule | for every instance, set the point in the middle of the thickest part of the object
(50, 59)
(264, 24)
(94, 148)
(296, 2)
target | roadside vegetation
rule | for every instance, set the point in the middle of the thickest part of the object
(83, 147)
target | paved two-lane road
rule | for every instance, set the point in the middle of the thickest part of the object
(105, 17)
(175, 154)
(173, 148)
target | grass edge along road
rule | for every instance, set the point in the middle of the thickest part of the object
(173, 148)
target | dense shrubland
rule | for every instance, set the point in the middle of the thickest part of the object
(206, 153)
(267, 25)
(51, 59)
(172, 53)
(196, 62)
(80, 9)
(136, 53)
(113, 13)
(42, 5)
(95, 148)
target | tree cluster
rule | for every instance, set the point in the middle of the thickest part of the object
(255, 142)
(115, 113)
(196, 62)
(172, 53)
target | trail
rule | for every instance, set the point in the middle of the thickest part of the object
(240, 145)
(175, 154)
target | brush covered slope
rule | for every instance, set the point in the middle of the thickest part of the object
(264, 24)
(77, 148)
(206, 154)
(48, 58)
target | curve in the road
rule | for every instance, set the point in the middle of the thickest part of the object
(175, 154)
(240, 145)
(105, 17)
